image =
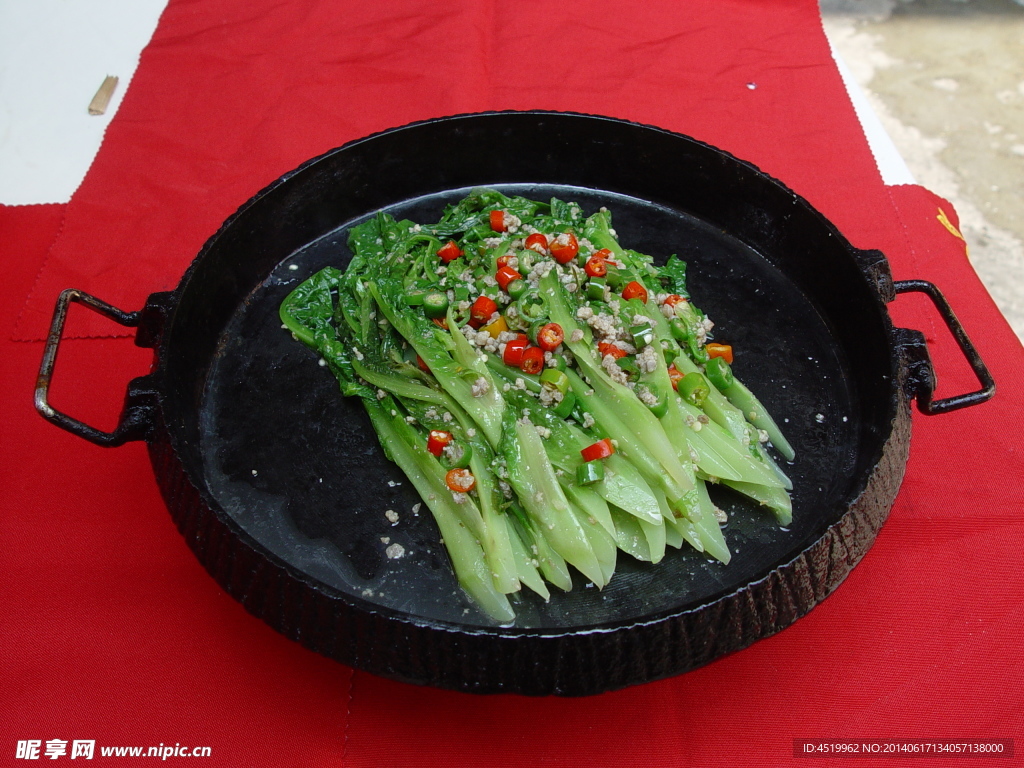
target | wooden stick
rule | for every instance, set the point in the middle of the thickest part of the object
(101, 100)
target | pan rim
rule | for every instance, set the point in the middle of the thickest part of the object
(894, 409)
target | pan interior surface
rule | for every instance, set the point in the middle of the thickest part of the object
(298, 468)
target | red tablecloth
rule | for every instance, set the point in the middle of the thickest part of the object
(112, 633)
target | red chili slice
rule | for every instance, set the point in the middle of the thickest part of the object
(437, 440)
(634, 290)
(674, 298)
(599, 450)
(723, 351)
(481, 311)
(513, 354)
(610, 349)
(564, 248)
(674, 375)
(506, 275)
(449, 252)
(550, 336)
(537, 242)
(498, 221)
(460, 480)
(533, 360)
(596, 267)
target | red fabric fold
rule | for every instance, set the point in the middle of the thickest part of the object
(227, 99)
(112, 632)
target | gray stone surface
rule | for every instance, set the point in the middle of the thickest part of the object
(946, 78)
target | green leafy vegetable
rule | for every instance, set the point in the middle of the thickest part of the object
(547, 391)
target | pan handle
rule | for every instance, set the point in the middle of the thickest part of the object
(922, 374)
(140, 398)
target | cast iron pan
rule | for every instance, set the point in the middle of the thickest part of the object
(280, 488)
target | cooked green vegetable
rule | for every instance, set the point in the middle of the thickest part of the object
(547, 392)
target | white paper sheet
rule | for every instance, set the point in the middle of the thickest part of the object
(54, 55)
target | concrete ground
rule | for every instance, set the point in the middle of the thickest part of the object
(946, 79)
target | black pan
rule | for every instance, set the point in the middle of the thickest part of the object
(278, 484)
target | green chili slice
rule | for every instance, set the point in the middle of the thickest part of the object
(435, 304)
(719, 373)
(589, 472)
(694, 388)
